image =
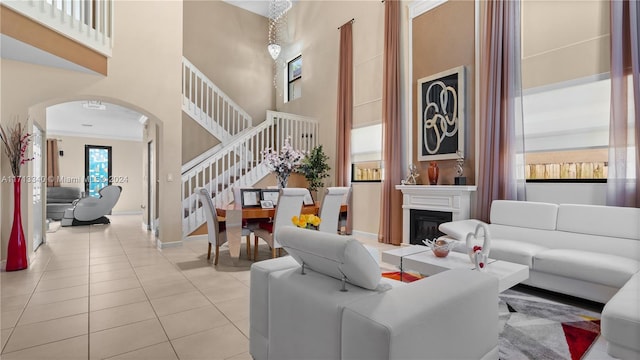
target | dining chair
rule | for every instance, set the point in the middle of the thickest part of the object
(247, 228)
(289, 205)
(330, 210)
(216, 231)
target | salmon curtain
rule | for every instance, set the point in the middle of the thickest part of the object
(390, 231)
(53, 163)
(501, 156)
(344, 116)
(623, 178)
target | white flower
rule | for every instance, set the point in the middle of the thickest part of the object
(283, 163)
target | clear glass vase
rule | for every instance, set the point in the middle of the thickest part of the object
(283, 179)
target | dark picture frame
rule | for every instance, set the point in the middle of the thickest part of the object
(250, 197)
(270, 194)
(441, 115)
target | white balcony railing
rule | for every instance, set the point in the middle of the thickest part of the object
(88, 22)
(239, 162)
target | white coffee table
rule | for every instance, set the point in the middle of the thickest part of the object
(421, 259)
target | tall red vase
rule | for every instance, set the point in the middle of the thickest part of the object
(17, 249)
(433, 172)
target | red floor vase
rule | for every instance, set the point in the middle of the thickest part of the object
(17, 248)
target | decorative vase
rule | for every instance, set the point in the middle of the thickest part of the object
(433, 172)
(283, 179)
(17, 248)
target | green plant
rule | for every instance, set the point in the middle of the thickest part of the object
(314, 167)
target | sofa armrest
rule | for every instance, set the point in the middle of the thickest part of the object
(451, 315)
(259, 302)
(458, 230)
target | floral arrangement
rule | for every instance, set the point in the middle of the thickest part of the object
(15, 144)
(283, 163)
(306, 221)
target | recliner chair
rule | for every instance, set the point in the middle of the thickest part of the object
(91, 210)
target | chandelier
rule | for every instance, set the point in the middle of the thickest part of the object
(277, 25)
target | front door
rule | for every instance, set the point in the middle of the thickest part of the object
(97, 168)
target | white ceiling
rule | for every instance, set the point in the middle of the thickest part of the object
(260, 7)
(115, 122)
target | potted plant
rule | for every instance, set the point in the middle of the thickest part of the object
(314, 167)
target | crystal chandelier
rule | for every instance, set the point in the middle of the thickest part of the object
(277, 25)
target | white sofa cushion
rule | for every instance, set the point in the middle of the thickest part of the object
(514, 251)
(331, 254)
(459, 229)
(305, 314)
(621, 319)
(606, 269)
(621, 222)
(524, 214)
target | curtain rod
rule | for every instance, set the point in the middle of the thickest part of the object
(350, 21)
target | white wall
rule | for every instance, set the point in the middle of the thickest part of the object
(568, 193)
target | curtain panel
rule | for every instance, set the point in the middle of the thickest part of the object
(390, 231)
(344, 116)
(624, 127)
(53, 163)
(501, 144)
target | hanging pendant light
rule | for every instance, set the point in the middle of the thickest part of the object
(274, 50)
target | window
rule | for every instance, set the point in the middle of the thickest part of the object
(566, 89)
(294, 78)
(366, 154)
(566, 128)
(97, 168)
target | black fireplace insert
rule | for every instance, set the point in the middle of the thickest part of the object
(423, 224)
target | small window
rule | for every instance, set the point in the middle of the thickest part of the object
(294, 78)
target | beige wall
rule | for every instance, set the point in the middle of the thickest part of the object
(125, 167)
(195, 139)
(313, 32)
(444, 38)
(149, 44)
(229, 45)
(563, 40)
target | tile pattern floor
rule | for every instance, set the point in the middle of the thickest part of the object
(106, 292)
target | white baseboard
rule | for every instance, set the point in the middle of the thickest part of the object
(170, 244)
(196, 237)
(126, 213)
(365, 235)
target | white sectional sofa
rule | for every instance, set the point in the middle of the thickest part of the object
(299, 312)
(592, 252)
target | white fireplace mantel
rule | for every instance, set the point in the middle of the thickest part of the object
(455, 199)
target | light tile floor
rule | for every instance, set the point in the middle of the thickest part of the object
(106, 292)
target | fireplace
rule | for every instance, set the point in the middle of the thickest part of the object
(423, 224)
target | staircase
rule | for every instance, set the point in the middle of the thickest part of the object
(237, 161)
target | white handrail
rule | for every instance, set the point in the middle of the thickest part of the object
(239, 163)
(88, 22)
(204, 102)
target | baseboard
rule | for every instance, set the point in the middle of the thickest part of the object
(126, 213)
(365, 235)
(196, 237)
(170, 244)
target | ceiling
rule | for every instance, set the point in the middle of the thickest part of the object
(114, 122)
(260, 7)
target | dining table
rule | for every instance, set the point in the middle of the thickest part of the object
(234, 215)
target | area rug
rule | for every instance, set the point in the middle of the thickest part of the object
(535, 328)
